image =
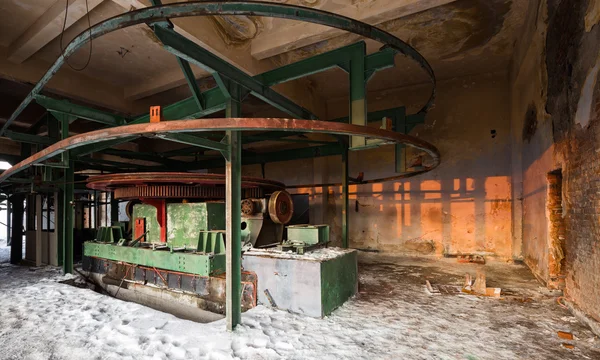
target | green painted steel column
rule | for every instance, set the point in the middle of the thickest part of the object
(345, 213)
(400, 149)
(8, 222)
(233, 193)
(16, 247)
(358, 90)
(58, 224)
(67, 203)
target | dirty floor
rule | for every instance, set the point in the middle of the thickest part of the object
(392, 317)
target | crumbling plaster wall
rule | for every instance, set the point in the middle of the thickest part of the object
(532, 150)
(463, 206)
(555, 72)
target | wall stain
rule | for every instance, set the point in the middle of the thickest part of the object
(530, 123)
(237, 31)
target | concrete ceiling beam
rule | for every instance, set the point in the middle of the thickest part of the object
(281, 39)
(47, 27)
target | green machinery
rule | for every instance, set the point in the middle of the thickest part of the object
(178, 220)
(175, 240)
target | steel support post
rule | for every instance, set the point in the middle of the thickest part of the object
(58, 224)
(358, 89)
(8, 222)
(16, 247)
(233, 184)
(400, 149)
(38, 200)
(67, 203)
(345, 213)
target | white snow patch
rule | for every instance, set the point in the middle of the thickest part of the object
(4, 252)
(313, 255)
(391, 318)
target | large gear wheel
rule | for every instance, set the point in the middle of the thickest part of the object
(281, 207)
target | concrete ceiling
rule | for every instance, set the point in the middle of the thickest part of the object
(129, 68)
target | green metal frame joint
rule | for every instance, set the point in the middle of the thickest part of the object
(79, 111)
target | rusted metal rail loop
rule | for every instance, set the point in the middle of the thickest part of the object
(201, 125)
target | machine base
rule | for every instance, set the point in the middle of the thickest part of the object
(312, 284)
(202, 292)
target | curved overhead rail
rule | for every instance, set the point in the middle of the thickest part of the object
(233, 124)
(250, 8)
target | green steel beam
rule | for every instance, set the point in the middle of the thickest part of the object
(28, 138)
(345, 213)
(255, 138)
(80, 111)
(215, 99)
(399, 149)
(145, 156)
(92, 148)
(195, 141)
(282, 155)
(33, 129)
(191, 80)
(358, 91)
(383, 59)
(190, 51)
(200, 264)
(115, 164)
(310, 66)
(188, 108)
(66, 242)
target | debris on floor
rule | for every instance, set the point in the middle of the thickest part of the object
(478, 287)
(476, 259)
(565, 335)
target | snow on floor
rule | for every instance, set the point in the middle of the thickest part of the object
(391, 318)
(4, 252)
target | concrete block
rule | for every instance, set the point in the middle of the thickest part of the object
(313, 284)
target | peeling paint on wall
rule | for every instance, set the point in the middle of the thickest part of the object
(585, 104)
(237, 30)
(592, 16)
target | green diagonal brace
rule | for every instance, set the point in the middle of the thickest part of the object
(194, 141)
(191, 80)
(190, 51)
(28, 138)
(92, 148)
(80, 111)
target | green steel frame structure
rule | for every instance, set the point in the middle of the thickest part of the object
(233, 86)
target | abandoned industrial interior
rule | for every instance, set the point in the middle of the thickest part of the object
(300, 179)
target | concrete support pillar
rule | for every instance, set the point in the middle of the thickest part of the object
(16, 248)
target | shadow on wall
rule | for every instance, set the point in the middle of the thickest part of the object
(429, 217)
